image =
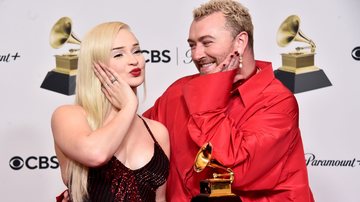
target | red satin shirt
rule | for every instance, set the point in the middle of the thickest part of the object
(253, 129)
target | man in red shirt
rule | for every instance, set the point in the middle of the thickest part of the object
(238, 105)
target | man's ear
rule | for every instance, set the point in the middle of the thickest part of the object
(241, 41)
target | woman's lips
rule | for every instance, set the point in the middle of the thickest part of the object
(136, 72)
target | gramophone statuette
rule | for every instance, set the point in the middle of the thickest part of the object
(217, 188)
(62, 78)
(298, 71)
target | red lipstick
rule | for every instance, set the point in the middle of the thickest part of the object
(136, 72)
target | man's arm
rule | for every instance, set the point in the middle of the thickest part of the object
(256, 149)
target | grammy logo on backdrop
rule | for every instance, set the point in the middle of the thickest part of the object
(217, 188)
(298, 71)
(62, 78)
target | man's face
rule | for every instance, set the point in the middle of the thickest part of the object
(210, 42)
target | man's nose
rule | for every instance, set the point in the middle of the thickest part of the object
(197, 53)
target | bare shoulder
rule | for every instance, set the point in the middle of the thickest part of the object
(157, 127)
(68, 111)
(67, 114)
(161, 134)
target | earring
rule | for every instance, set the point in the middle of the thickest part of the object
(240, 60)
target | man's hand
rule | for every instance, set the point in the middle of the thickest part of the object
(232, 62)
(63, 197)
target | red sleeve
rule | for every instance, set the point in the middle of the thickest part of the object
(151, 112)
(61, 197)
(257, 149)
(160, 110)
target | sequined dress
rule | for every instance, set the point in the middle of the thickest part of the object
(115, 182)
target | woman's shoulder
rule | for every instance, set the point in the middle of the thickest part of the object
(158, 128)
(160, 133)
(68, 111)
(68, 108)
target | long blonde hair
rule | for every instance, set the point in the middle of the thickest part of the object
(95, 47)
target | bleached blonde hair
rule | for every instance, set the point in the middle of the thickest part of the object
(95, 47)
(237, 16)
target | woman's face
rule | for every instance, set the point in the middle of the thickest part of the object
(126, 58)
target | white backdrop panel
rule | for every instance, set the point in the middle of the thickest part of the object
(328, 116)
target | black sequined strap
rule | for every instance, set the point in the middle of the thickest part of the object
(148, 129)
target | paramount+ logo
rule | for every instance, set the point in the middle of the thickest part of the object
(312, 160)
(33, 162)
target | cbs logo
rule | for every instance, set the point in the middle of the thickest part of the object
(34, 162)
(356, 53)
(156, 56)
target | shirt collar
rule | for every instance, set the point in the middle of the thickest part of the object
(253, 87)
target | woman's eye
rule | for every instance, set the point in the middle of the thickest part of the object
(118, 55)
(138, 52)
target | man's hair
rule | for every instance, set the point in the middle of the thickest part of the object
(237, 16)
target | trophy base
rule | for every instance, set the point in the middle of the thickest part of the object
(207, 198)
(298, 83)
(59, 82)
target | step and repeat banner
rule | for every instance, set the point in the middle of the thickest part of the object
(326, 87)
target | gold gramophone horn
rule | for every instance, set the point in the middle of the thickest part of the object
(61, 33)
(204, 159)
(290, 31)
(218, 187)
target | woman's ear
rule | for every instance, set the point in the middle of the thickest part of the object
(241, 41)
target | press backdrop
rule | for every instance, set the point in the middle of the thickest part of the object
(329, 117)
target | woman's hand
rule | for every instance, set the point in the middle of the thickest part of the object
(117, 91)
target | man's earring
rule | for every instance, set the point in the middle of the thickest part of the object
(240, 60)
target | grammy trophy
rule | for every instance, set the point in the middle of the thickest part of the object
(217, 188)
(62, 78)
(298, 71)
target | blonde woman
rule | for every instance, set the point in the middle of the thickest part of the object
(106, 151)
